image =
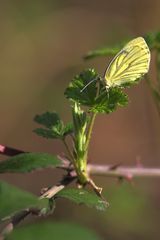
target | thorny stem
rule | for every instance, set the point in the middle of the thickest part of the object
(125, 172)
(98, 169)
(117, 171)
(93, 169)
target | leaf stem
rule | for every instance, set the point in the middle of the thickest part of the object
(90, 128)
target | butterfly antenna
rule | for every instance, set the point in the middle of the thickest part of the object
(95, 79)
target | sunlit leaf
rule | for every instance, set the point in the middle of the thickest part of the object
(86, 97)
(109, 100)
(95, 96)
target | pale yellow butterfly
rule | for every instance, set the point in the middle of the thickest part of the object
(130, 64)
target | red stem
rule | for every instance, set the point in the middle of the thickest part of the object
(4, 150)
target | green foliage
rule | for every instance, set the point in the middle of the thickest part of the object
(105, 51)
(86, 97)
(27, 162)
(109, 100)
(81, 196)
(50, 230)
(54, 127)
(86, 103)
(13, 199)
(152, 39)
(95, 96)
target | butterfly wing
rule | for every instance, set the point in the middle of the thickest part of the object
(131, 63)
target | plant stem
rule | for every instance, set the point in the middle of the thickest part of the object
(90, 128)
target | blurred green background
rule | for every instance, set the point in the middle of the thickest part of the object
(41, 48)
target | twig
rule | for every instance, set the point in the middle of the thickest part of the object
(107, 170)
(57, 188)
(16, 219)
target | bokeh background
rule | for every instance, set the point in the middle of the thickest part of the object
(41, 48)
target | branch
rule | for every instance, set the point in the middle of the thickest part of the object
(51, 192)
(93, 169)
(96, 169)
(16, 219)
(119, 171)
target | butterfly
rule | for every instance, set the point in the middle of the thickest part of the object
(129, 65)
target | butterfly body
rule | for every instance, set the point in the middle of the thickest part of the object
(129, 65)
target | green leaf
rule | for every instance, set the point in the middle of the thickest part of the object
(47, 119)
(107, 100)
(86, 97)
(105, 51)
(55, 128)
(68, 129)
(27, 162)
(52, 230)
(81, 196)
(46, 133)
(153, 40)
(13, 199)
(150, 39)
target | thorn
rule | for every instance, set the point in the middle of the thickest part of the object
(98, 190)
(115, 166)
